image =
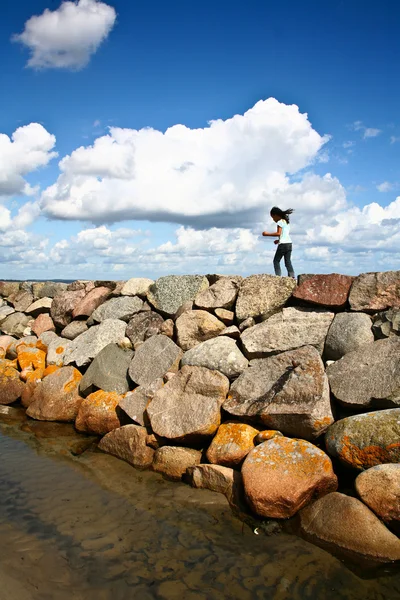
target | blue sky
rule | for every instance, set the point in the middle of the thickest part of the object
(119, 210)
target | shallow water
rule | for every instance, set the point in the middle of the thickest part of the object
(91, 527)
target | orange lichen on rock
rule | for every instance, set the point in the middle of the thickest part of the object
(60, 349)
(232, 442)
(31, 357)
(11, 386)
(369, 456)
(73, 381)
(36, 375)
(97, 413)
(50, 369)
(41, 346)
(267, 434)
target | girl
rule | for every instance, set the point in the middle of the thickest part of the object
(281, 218)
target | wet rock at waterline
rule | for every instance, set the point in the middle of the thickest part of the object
(368, 377)
(288, 392)
(379, 488)
(214, 477)
(196, 326)
(363, 441)
(348, 332)
(87, 345)
(108, 371)
(172, 461)
(261, 295)
(135, 403)
(289, 329)
(155, 357)
(129, 443)
(168, 293)
(98, 413)
(282, 475)
(11, 387)
(220, 354)
(231, 444)
(188, 407)
(56, 397)
(341, 523)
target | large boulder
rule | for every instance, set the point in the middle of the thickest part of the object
(91, 301)
(15, 324)
(330, 291)
(387, 323)
(188, 407)
(43, 323)
(346, 526)
(108, 371)
(56, 397)
(363, 441)
(348, 332)
(98, 413)
(372, 292)
(262, 295)
(221, 294)
(155, 357)
(123, 308)
(288, 392)
(379, 488)
(39, 307)
(220, 354)
(196, 326)
(231, 444)
(64, 304)
(49, 289)
(135, 403)
(88, 344)
(22, 300)
(56, 349)
(73, 329)
(137, 286)
(168, 293)
(368, 377)
(9, 288)
(143, 326)
(5, 311)
(11, 387)
(128, 443)
(172, 461)
(291, 328)
(282, 475)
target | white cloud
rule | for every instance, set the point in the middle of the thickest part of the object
(371, 132)
(29, 148)
(385, 187)
(66, 38)
(394, 139)
(223, 175)
(348, 144)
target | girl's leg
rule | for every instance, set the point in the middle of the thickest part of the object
(288, 262)
(277, 260)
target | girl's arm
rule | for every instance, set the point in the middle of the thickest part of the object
(277, 233)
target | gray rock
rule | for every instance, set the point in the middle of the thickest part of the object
(387, 323)
(288, 392)
(188, 305)
(348, 332)
(143, 326)
(168, 293)
(247, 323)
(15, 324)
(221, 294)
(87, 345)
(108, 371)
(137, 286)
(372, 292)
(5, 311)
(135, 403)
(56, 349)
(122, 308)
(73, 329)
(262, 295)
(232, 332)
(221, 354)
(343, 524)
(289, 329)
(22, 300)
(43, 305)
(188, 407)
(368, 377)
(172, 461)
(153, 359)
(363, 441)
(48, 289)
(9, 288)
(196, 326)
(128, 443)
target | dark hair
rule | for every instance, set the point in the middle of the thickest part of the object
(282, 214)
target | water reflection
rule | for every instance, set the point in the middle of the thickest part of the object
(83, 525)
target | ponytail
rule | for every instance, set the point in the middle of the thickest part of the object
(282, 214)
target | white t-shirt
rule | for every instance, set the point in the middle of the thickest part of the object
(285, 233)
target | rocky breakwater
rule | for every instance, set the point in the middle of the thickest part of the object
(283, 397)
